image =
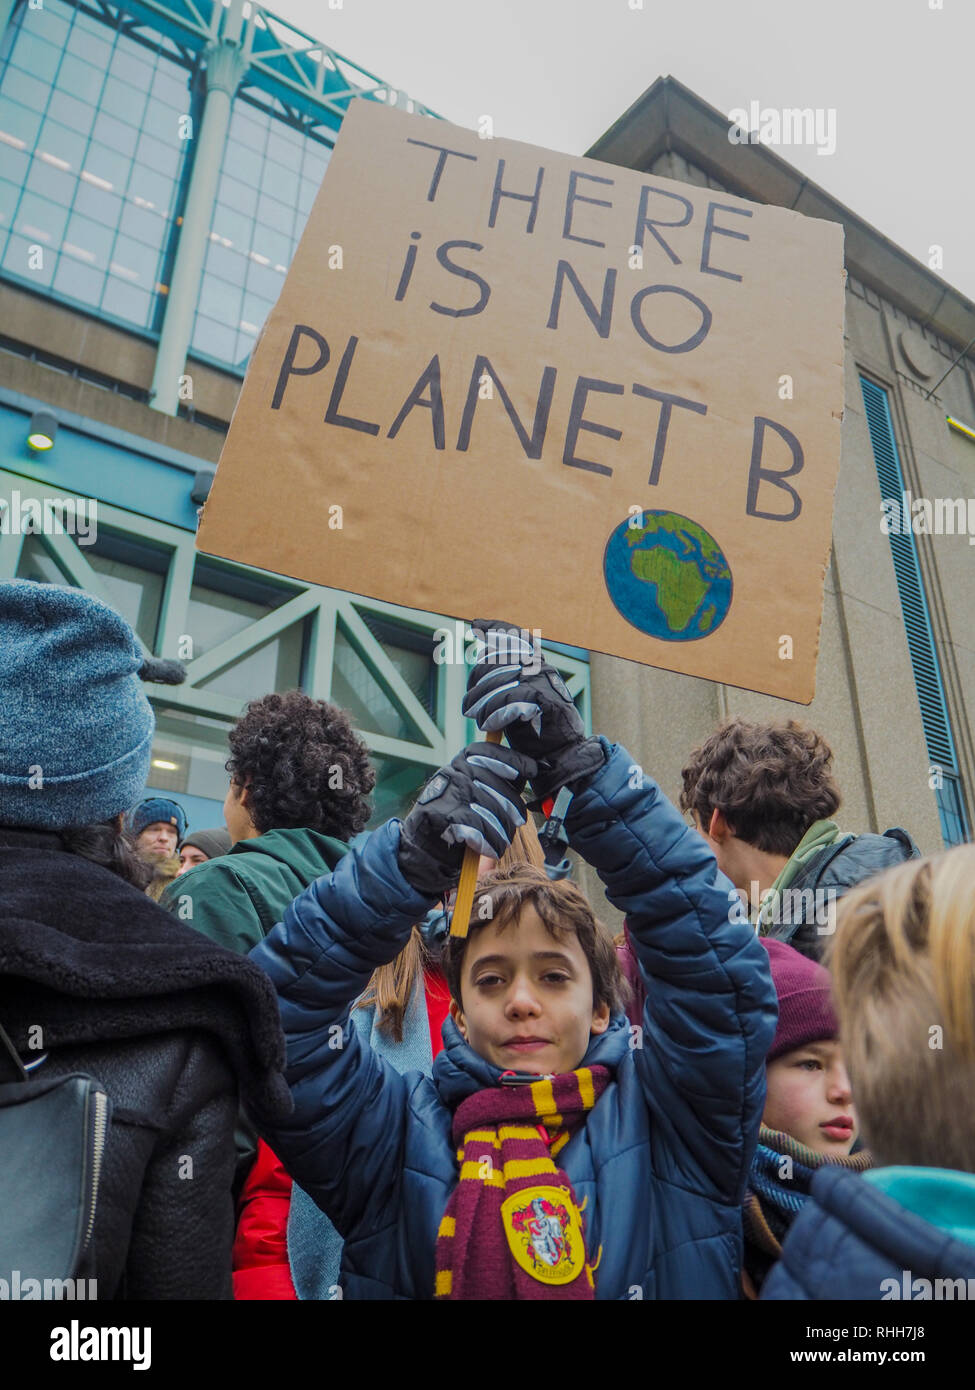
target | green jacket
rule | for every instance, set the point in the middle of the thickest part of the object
(236, 900)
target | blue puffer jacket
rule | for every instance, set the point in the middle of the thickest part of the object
(852, 1241)
(662, 1161)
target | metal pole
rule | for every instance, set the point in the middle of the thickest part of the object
(950, 369)
(225, 68)
(6, 10)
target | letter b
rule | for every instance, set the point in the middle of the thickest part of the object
(773, 476)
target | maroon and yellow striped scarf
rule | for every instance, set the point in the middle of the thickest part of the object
(512, 1229)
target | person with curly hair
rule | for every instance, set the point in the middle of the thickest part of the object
(300, 779)
(764, 797)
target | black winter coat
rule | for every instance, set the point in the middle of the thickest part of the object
(173, 1027)
(830, 874)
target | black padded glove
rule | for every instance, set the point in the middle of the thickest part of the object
(474, 802)
(511, 688)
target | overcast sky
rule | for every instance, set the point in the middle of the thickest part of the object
(558, 73)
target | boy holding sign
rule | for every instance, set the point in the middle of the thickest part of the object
(555, 1152)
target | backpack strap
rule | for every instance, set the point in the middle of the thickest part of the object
(810, 871)
(11, 1067)
(808, 877)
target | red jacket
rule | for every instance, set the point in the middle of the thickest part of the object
(261, 1269)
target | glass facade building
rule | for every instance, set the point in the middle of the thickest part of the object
(97, 129)
(102, 109)
(268, 181)
(92, 164)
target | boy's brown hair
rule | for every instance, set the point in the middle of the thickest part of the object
(563, 908)
(903, 964)
(769, 781)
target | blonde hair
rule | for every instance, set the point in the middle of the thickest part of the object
(903, 966)
(391, 987)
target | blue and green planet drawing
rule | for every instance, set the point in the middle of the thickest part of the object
(667, 576)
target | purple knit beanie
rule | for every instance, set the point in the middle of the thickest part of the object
(805, 1010)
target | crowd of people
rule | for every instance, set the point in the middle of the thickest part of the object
(314, 1089)
(160, 833)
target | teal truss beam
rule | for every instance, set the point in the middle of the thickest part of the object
(301, 72)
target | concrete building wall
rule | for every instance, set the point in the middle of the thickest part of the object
(933, 460)
(55, 332)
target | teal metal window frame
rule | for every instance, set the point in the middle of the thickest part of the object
(441, 735)
(164, 252)
(925, 663)
(290, 77)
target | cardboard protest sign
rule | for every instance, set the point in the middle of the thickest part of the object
(590, 401)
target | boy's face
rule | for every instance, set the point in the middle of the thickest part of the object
(809, 1098)
(527, 998)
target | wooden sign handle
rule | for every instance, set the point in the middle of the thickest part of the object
(461, 918)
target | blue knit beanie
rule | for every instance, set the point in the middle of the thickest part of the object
(75, 725)
(156, 810)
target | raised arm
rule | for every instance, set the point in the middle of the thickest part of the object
(710, 1010)
(343, 1142)
(343, 1137)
